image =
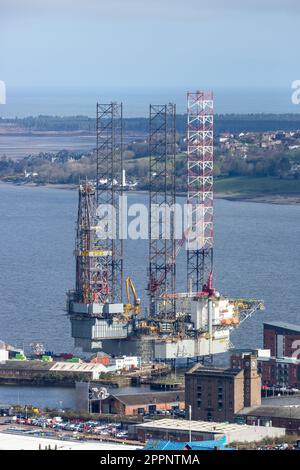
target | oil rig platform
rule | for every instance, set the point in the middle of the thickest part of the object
(191, 324)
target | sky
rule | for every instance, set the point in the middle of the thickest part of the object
(142, 43)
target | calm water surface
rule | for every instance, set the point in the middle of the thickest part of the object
(257, 254)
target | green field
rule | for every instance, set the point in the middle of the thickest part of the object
(257, 186)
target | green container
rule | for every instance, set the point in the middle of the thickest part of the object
(47, 358)
(74, 359)
(20, 357)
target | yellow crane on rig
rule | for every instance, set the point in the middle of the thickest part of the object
(130, 307)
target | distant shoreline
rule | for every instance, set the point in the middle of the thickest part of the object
(260, 198)
(279, 199)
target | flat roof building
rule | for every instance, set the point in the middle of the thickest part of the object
(276, 411)
(179, 430)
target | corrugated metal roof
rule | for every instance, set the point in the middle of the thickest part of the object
(200, 426)
(151, 398)
(283, 411)
(77, 367)
(53, 366)
(281, 400)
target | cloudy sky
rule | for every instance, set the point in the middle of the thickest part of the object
(149, 42)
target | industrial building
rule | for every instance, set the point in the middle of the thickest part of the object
(126, 404)
(190, 324)
(28, 370)
(283, 412)
(182, 430)
(143, 403)
(217, 394)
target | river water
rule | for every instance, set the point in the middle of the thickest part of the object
(257, 254)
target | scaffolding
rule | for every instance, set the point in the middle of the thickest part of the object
(162, 147)
(200, 188)
(91, 279)
(109, 134)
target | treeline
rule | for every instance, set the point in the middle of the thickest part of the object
(278, 165)
(232, 123)
(69, 168)
(62, 167)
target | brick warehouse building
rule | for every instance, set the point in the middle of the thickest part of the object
(217, 394)
(129, 404)
(234, 394)
(142, 403)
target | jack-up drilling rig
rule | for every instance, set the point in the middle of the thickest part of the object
(95, 306)
(190, 324)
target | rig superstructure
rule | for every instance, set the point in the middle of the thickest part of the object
(191, 324)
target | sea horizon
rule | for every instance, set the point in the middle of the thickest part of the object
(77, 100)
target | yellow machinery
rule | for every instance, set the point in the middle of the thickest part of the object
(136, 306)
